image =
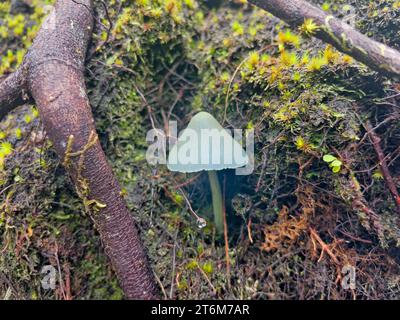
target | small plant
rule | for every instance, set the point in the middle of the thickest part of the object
(237, 28)
(326, 6)
(253, 59)
(309, 27)
(334, 163)
(289, 38)
(316, 63)
(5, 149)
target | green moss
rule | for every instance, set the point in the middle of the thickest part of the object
(166, 60)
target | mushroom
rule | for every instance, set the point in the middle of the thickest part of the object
(206, 146)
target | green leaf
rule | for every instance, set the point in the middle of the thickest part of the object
(329, 158)
(208, 267)
(377, 175)
(336, 163)
(335, 169)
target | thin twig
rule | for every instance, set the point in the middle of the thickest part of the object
(161, 285)
(208, 279)
(171, 291)
(376, 142)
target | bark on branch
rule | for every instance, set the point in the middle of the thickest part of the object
(53, 74)
(13, 91)
(336, 32)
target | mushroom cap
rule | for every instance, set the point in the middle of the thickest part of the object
(205, 145)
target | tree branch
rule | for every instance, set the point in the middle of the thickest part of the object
(376, 143)
(334, 31)
(13, 91)
(53, 74)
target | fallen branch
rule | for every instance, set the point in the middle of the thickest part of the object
(53, 75)
(13, 91)
(376, 143)
(336, 32)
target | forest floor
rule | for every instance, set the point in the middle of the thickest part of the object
(298, 226)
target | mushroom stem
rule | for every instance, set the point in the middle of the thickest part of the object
(217, 201)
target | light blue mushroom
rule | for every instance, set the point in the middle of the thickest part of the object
(206, 146)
